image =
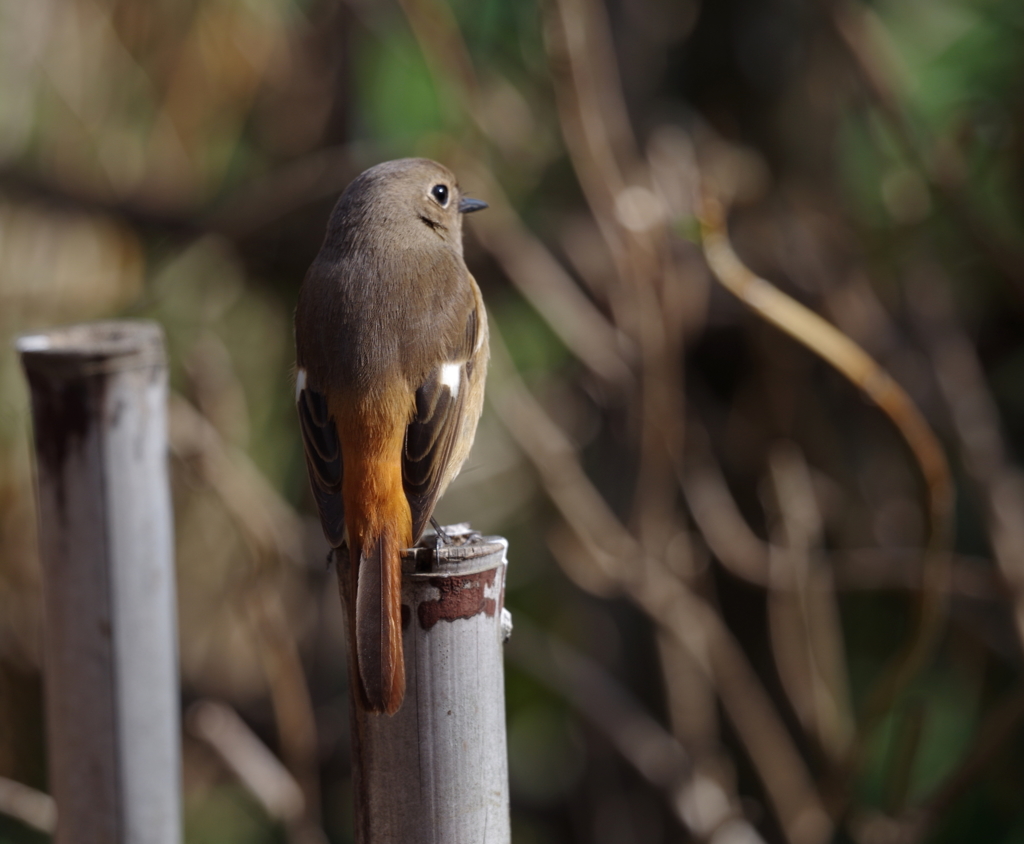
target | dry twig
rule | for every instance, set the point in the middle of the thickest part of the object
(976, 423)
(803, 615)
(35, 809)
(699, 803)
(274, 532)
(848, 358)
(249, 759)
(696, 625)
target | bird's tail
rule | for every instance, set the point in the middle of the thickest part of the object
(379, 528)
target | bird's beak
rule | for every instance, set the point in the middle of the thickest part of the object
(466, 205)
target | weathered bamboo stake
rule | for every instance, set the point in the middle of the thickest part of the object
(436, 772)
(99, 395)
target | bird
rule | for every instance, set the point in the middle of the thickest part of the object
(391, 356)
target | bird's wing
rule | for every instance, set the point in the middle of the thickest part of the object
(323, 458)
(431, 440)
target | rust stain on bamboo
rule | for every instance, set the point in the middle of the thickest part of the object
(459, 597)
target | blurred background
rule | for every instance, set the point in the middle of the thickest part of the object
(748, 605)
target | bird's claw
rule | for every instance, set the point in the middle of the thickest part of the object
(442, 539)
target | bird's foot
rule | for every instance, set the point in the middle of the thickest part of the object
(443, 539)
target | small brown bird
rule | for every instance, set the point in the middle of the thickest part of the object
(391, 346)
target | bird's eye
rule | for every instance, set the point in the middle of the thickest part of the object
(440, 193)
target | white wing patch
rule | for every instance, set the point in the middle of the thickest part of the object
(451, 376)
(300, 384)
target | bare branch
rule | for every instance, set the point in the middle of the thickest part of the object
(696, 625)
(976, 423)
(848, 358)
(35, 809)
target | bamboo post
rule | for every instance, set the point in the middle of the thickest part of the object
(436, 772)
(99, 395)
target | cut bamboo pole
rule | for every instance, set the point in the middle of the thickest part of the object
(99, 395)
(436, 772)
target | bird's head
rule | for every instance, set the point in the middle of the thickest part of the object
(413, 199)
